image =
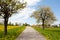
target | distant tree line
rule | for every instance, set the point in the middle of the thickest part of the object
(11, 24)
(1, 24)
(56, 26)
(25, 24)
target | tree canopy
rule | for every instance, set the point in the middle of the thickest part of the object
(44, 15)
(9, 7)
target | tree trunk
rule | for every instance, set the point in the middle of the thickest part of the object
(43, 24)
(5, 25)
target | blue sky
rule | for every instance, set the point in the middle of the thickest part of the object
(24, 15)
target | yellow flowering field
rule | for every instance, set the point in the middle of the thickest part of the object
(13, 32)
(9, 27)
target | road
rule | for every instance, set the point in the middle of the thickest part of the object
(30, 34)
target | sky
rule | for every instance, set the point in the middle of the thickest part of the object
(24, 15)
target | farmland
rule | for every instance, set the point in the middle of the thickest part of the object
(49, 33)
(13, 32)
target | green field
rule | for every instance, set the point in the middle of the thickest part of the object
(13, 32)
(49, 33)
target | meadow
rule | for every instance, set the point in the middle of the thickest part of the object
(13, 32)
(49, 33)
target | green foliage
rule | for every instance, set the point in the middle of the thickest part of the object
(10, 24)
(55, 26)
(16, 24)
(26, 24)
(12, 33)
(1, 24)
(50, 33)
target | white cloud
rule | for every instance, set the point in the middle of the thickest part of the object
(21, 16)
(31, 2)
(26, 12)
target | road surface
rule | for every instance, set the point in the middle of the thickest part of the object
(30, 34)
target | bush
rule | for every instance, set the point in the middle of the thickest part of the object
(55, 26)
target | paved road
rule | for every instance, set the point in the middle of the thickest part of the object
(30, 34)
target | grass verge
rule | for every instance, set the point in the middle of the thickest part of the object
(49, 33)
(12, 34)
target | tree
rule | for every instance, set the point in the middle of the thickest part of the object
(10, 24)
(25, 24)
(59, 25)
(16, 24)
(7, 8)
(45, 15)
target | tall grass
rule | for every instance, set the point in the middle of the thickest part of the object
(13, 32)
(50, 33)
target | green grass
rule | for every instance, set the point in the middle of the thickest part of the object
(12, 34)
(50, 33)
